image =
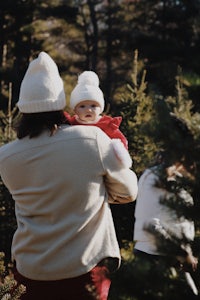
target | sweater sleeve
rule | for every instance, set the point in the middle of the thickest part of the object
(121, 182)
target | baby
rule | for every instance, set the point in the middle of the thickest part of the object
(87, 102)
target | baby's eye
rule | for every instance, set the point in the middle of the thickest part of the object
(82, 106)
(93, 105)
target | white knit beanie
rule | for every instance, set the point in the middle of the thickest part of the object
(87, 88)
(42, 88)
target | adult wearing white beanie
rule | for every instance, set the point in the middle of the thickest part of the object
(65, 241)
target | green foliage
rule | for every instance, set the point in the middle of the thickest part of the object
(140, 279)
(137, 109)
(151, 124)
(100, 35)
(7, 210)
(147, 122)
(9, 290)
(166, 130)
(7, 221)
(6, 131)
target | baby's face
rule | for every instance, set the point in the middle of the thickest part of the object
(88, 110)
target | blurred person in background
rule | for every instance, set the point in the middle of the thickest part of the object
(164, 230)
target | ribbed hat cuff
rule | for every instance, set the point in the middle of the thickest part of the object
(34, 106)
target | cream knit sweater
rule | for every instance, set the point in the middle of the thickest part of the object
(60, 185)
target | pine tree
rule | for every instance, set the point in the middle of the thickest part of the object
(7, 210)
(136, 106)
(132, 282)
(9, 290)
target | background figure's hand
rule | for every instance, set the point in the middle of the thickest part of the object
(189, 263)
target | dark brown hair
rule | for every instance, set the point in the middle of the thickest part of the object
(33, 124)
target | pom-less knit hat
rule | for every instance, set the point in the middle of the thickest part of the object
(42, 87)
(87, 88)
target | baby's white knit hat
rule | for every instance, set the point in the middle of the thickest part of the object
(87, 88)
(42, 88)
